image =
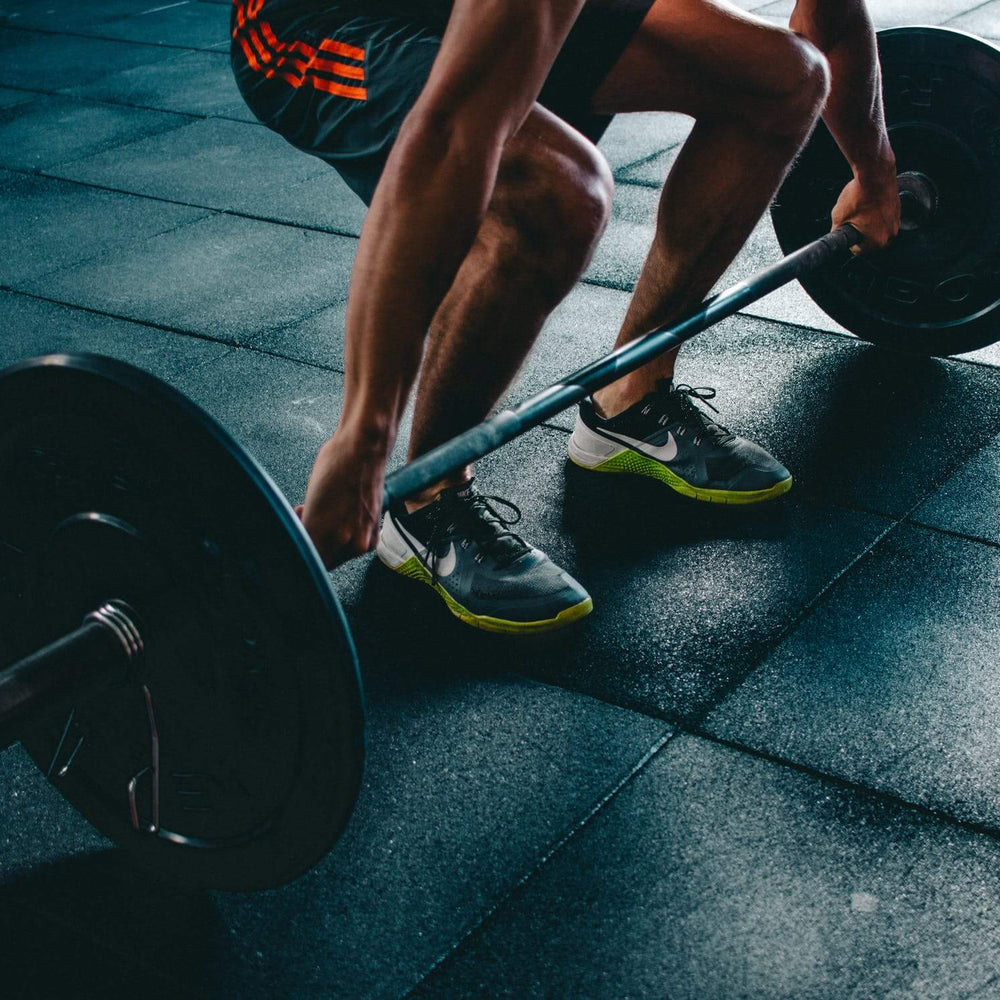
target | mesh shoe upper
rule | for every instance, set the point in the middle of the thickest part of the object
(668, 426)
(468, 547)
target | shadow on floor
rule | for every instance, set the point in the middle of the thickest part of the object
(94, 926)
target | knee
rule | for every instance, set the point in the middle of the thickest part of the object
(583, 192)
(559, 202)
(805, 84)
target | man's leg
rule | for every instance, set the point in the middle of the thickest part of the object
(755, 91)
(549, 209)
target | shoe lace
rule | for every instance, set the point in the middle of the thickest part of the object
(474, 515)
(679, 402)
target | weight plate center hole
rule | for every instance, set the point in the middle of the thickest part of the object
(918, 199)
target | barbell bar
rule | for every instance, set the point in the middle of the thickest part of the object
(188, 680)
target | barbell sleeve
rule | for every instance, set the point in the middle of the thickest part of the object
(502, 427)
(103, 647)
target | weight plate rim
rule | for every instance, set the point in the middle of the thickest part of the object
(146, 389)
(939, 30)
(976, 331)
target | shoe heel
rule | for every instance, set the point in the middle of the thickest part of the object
(392, 549)
(590, 450)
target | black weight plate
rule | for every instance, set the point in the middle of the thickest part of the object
(934, 290)
(114, 485)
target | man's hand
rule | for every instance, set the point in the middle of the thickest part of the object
(344, 500)
(871, 205)
(843, 31)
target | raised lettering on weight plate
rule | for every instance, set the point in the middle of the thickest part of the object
(956, 289)
(194, 790)
(918, 93)
(901, 290)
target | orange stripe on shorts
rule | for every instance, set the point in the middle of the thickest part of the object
(338, 68)
(250, 55)
(340, 49)
(296, 62)
(340, 89)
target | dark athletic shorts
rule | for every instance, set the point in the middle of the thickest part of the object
(336, 78)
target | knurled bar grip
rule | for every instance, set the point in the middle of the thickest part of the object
(496, 431)
(106, 642)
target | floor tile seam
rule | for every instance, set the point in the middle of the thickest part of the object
(641, 161)
(965, 13)
(804, 613)
(43, 171)
(150, 324)
(68, 93)
(188, 371)
(97, 254)
(302, 362)
(104, 38)
(748, 313)
(234, 213)
(565, 431)
(167, 328)
(622, 704)
(903, 520)
(844, 335)
(963, 459)
(85, 98)
(641, 711)
(857, 787)
(27, 90)
(304, 318)
(948, 533)
(546, 857)
(113, 147)
(639, 182)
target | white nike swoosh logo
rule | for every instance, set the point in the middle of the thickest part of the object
(662, 453)
(441, 565)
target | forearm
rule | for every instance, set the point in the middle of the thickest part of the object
(843, 31)
(422, 222)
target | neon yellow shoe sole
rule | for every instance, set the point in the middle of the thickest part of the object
(631, 462)
(414, 569)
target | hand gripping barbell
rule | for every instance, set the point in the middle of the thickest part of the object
(186, 676)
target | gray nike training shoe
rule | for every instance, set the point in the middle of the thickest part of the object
(667, 437)
(489, 577)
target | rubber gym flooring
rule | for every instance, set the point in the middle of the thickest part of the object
(767, 764)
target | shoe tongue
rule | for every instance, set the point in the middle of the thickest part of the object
(506, 548)
(664, 385)
(463, 491)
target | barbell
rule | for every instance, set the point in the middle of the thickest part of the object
(183, 671)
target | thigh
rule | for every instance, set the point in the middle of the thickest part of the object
(699, 57)
(600, 36)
